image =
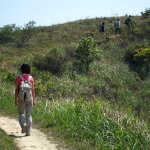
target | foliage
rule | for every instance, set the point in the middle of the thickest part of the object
(143, 56)
(23, 35)
(6, 33)
(6, 142)
(54, 61)
(19, 35)
(7, 75)
(139, 58)
(86, 53)
(11, 76)
(146, 14)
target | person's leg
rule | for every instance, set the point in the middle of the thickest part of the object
(119, 31)
(115, 31)
(29, 107)
(99, 36)
(103, 35)
(22, 120)
(21, 108)
(129, 26)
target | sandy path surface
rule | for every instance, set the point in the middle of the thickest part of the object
(37, 140)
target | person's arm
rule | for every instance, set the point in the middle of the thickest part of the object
(16, 93)
(33, 94)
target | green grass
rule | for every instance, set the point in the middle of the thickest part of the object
(107, 108)
(90, 124)
(86, 124)
(6, 142)
(94, 124)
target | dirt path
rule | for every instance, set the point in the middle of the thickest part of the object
(37, 140)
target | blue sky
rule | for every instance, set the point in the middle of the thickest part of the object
(48, 12)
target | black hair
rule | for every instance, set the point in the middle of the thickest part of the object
(103, 23)
(25, 68)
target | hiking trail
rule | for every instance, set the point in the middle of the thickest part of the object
(37, 140)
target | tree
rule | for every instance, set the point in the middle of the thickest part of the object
(22, 35)
(86, 53)
(30, 28)
(6, 33)
(146, 14)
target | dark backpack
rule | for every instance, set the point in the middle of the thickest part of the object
(100, 28)
(115, 24)
(127, 21)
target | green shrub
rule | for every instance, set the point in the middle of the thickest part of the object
(139, 56)
(86, 53)
(7, 75)
(55, 61)
(143, 57)
(138, 60)
(51, 62)
(11, 76)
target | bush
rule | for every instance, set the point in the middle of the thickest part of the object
(11, 76)
(6, 34)
(55, 61)
(138, 60)
(86, 53)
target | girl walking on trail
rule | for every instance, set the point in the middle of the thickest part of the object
(25, 98)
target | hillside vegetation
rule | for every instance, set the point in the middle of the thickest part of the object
(93, 94)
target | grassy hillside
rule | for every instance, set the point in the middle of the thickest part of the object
(106, 107)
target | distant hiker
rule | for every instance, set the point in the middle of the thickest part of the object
(25, 98)
(128, 22)
(102, 30)
(117, 27)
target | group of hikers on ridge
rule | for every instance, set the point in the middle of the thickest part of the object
(102, 29)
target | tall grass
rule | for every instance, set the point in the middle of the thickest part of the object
(7, 98)
(93, 125)
(85, 124)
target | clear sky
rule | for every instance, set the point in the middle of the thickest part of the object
(48, 12)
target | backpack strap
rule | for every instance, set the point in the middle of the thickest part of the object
(29, 78)
(21, 77)
(24, 79)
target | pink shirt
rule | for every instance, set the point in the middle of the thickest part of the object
(25, 76)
